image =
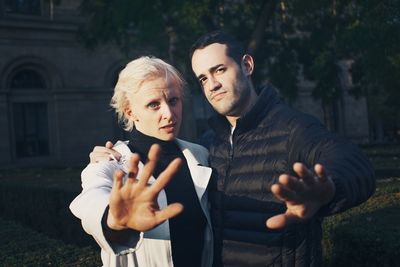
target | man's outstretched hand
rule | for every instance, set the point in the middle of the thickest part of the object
(303, 195)
(134, 204)
(104, 153)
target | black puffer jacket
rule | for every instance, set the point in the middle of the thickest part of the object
(266, 143)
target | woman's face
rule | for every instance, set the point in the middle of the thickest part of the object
(156, 108)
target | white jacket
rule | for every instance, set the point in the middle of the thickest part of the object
(154, 248)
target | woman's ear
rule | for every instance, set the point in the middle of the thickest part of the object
(130, 114)
(247, 64)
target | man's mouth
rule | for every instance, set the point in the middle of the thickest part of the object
(218, 96)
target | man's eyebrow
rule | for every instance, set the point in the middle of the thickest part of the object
(211, 69)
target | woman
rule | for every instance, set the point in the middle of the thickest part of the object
(170, 214)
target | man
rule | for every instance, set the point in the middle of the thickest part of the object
(274, 165)
(279, 172)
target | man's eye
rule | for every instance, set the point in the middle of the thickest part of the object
(220, 70)
(202, 80)
(153, 105)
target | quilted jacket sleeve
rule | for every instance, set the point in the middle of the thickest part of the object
(351, 171)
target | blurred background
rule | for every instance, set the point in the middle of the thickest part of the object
(338, 60)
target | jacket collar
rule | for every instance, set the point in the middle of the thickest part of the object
(268, 97)
(200, 174)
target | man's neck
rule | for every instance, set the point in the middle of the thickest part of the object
(249, 105)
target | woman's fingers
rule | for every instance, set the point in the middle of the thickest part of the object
(149, 167)
(118, 175)
(168, 212)
(133, 168)
(165, 177)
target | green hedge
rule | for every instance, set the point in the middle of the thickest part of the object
(367, 235)
(44, 210)
(20, 246)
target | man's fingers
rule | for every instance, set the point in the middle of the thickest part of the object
(149, 167)
(109, 144)
(96, 157)
(292, 183)
(101, 150)
(168, 212)
(304, 173)
(165, 177)
(276, 222)
(282, 220)
(320, 171)
(283, 193)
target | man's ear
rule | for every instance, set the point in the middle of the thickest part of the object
(247, 64)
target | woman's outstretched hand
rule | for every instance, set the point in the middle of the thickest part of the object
(133, 204)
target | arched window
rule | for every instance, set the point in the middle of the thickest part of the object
(27, 79)
(30, 118)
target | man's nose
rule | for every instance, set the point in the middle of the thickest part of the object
(214, 84)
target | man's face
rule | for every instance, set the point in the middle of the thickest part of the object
(223, 81)
(156, 108)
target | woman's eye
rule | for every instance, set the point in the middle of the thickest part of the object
(173, 101)
(153, 105)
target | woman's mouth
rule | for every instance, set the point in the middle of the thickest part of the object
(169, 128)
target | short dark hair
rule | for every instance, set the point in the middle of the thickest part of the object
(234, 49)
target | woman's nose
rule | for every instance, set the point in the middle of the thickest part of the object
(166, 112)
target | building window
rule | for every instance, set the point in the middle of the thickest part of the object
(31, 129)
(30, 118)
(27, 79)
(23, 7)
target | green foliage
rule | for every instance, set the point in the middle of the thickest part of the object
(366, 235)
(44, 209)
(279, 73)
(385, 159)
(376, 36)
(366, 32)
(20, 246)
(284, 35)
(168, 28)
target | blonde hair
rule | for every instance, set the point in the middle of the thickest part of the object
(132, 77)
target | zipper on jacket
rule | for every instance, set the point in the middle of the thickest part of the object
(230, 158)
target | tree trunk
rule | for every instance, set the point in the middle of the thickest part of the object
(264, 17)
